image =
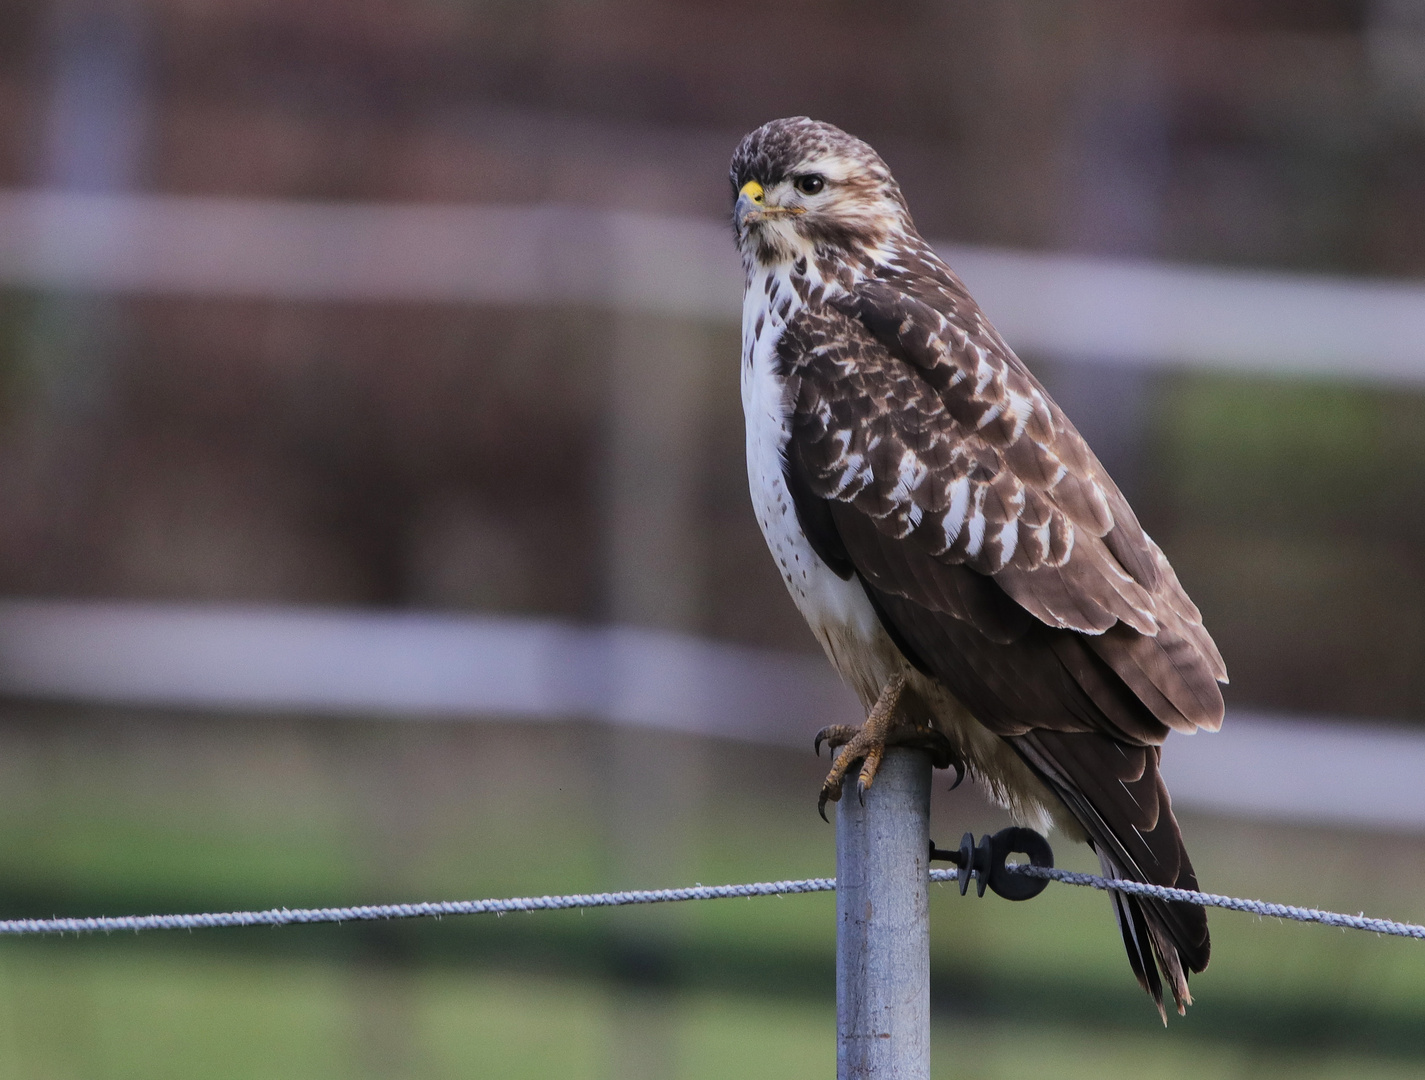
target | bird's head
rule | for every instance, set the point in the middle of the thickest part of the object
(801, 187)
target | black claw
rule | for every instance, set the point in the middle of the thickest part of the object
(959, 775)
(861, 791)
(816, 746)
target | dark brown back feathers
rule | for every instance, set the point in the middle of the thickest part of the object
(925, 458)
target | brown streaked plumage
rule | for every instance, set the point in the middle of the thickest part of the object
(940, 522)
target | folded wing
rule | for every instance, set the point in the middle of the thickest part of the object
(926, 459)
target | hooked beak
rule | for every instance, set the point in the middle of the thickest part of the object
(752, 206)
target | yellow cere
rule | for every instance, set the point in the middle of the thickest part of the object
(753, 190)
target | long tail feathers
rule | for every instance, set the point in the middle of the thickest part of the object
(1118, 796)
(1149, 944)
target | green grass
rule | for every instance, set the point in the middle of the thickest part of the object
(113, 814)
(108, 1014)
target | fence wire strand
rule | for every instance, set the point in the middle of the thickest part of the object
(375, 912)
(1231, 903)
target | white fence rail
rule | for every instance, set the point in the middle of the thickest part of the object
(342, 663)
(1132, 312)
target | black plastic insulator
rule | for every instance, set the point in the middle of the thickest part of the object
(986, 860)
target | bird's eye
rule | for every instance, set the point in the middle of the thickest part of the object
(810, 184)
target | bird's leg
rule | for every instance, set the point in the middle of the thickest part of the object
(887, 724)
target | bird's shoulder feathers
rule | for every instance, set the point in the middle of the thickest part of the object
(924, 454)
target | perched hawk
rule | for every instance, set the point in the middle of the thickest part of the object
(959, 552)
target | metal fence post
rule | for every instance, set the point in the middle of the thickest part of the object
(883, 924)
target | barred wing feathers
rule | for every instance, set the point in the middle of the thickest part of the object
(949, 445)
(925, 458)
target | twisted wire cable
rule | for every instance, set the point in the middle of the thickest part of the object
(1231, 903)
(375, 912)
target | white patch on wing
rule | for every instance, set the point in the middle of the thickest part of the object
(991, 415)
(959, 502)
(1100, 502)
(853, 470)
(1022, 408)
(1041, 536)
(1008, 539)
(976, 524)
(984, 369)
(910, 473)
